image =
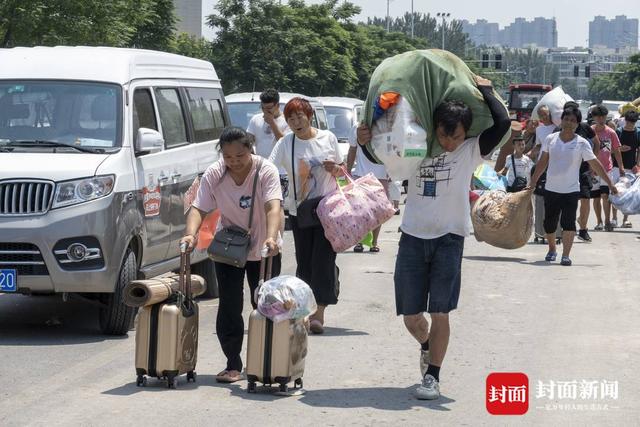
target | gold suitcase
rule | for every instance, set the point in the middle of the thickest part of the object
(276, 352)
(167, 335)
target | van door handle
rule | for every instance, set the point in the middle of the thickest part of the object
(175, 176)
(163, 178)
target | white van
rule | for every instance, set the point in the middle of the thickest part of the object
(97, 149)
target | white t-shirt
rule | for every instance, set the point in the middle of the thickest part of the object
(265, 139)
(542, 132)
(523, 168)
(438, 195)
(311, 180)
(364, 165)
(564, 162)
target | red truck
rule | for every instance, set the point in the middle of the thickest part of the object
(523, 98)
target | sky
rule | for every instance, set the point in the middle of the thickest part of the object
(572, 16)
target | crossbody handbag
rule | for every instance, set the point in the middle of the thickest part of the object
(519, 182)
(306, 214)
(231, 245)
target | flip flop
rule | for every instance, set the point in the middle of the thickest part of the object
(358, 248)
(226, 377)
(374, 248)
(626, 224)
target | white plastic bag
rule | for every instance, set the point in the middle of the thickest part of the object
(555, 100)
(399, 141)
(286, 297)
(627, 200)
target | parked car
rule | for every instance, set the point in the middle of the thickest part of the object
(98, 147)
(243, 106)
(342, 115)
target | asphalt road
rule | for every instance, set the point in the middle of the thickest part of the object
(517, 313)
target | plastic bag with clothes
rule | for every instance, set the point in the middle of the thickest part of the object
(554, 100)
(397, 139)
(286, 297)
(486, 178)
(627, 200)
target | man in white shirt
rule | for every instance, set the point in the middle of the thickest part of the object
(435, 223)
(267, 128)
(563, 152)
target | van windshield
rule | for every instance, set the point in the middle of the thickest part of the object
(340, 121)
(242, 112)
(72, 113)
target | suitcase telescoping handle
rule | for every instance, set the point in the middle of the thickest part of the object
(185, 272)
(266, 270)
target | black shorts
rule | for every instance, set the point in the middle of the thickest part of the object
(561, 206)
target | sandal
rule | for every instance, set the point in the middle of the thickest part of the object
(374, 248)
(358, 248)
(316, 327)
(229, 376)
(551, 256)
(626, 224)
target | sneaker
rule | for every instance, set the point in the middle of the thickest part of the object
(614, 223)
(598, 227)
(429, 389)
(584, 235)
(566, 261)
(424, 361)
(551, 256)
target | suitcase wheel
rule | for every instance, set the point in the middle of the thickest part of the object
(283, 388)
(141, 381)
(192, 376)
(251, 388)
(172, 382)
(298, 383)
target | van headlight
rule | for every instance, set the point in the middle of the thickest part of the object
(82, 190)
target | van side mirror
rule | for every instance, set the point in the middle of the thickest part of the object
(149, 141)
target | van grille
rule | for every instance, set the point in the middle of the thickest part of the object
(24, 257)
(25, 197)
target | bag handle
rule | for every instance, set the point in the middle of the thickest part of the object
(293, 167)
(253, 194)
(515, 173)
(266, 270)
(185, 273)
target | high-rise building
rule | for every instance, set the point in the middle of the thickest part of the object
(189, 14)
(540, 32)
(482, 32)
(616, 33)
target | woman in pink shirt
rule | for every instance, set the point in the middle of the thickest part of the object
(227, 185)
(609, 145)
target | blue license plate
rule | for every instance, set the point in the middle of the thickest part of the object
(8, 280)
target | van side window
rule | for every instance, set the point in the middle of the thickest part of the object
(206, 113)
(174, 129)
(321, 115)
(144, 115)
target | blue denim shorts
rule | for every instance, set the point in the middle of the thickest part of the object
(427, 276)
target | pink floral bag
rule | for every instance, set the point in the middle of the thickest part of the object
(350, 212)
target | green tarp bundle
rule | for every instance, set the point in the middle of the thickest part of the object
(426, 78)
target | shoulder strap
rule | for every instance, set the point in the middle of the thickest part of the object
(253, 192)
(293, 166)
(513, 161)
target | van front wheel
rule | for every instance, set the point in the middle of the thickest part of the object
(116, 318)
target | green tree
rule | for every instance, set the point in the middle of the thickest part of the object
(157, 30)
(120, 23)
(429, 29)
(622, 84)
(188, 45)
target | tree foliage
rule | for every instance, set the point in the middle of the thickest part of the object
(312, 49)
(145, 23)
(623, 84)
(428, 29)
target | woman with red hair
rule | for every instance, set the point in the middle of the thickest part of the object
(312, 160)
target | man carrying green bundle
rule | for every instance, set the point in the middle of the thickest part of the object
(435, 222)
